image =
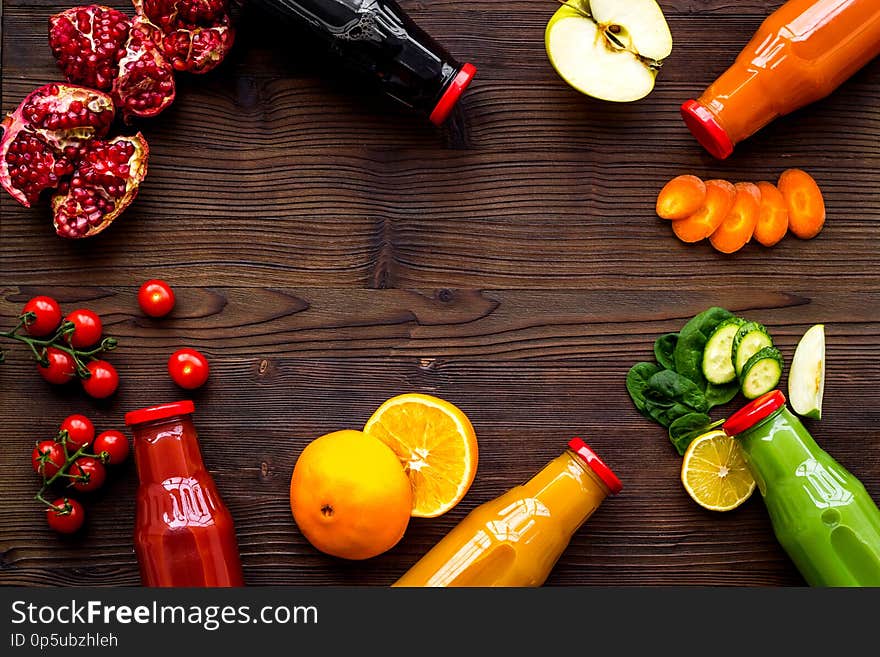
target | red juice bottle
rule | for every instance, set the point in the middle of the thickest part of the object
(377, 39)
(184, 534)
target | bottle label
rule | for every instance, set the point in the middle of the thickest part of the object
(825, 486)
(190, 505)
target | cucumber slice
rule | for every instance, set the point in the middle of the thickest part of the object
(761, 373)
(718, 355)
(806, 378)
(749, 340)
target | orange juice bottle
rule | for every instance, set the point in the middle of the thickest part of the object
(801, 53)
(516, 539)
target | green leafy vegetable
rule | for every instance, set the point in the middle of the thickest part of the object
(718, 395)
(664, 348)
(670, 385)
(637, 382)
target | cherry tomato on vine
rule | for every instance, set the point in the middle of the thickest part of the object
(80, 431)
(61, 368)
(188, 368)
(48, 458)
(103, 380)
(47, 316)
(70, 519)
(92, 469)
(156, 298)
(87, 328)
(114, 444)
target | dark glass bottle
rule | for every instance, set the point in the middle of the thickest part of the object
(377, 39)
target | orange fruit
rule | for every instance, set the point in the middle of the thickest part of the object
(436, 444)
(349, 495)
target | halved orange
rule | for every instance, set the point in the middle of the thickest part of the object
(714, 472)
(437, 445)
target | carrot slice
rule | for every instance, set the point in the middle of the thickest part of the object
(806, 207)
(720, 195)
(739, 225)
(681, 197)
(773, 215)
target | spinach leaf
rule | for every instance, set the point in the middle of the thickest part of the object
(637, 382)
(670, 385)
(664, 348)
(717, 395)
(666, 412)
(688, 354)
(684, 429)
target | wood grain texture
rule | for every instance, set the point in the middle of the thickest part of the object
(330, 250)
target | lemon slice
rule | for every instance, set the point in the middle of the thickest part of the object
(714, 472)
(436, 444)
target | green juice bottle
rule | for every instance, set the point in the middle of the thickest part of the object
(822, 515)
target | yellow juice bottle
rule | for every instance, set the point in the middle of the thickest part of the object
(516, 539)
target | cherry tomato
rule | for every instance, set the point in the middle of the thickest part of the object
(103, 380)
(92, 469)
(156, 298)
(87, 328)
(48, 316)
(69, 519)
(114, 444)
(80, 431)
(188, 368)
(61, 368)
(48, 458)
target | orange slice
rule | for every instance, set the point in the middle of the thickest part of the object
(437, 445)
(714, 472)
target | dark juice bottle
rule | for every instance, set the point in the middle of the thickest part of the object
(184, 534)
(377, 39)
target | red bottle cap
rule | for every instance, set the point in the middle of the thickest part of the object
(753, 412)
(705, 127)
(453, 92)
(160, 412)
(597, 465)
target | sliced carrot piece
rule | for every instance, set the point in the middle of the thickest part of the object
(739, 225)
(681, 197)
(806, 207)
(720, 195)
(773, 215)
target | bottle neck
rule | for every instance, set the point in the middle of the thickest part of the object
(378, 39)
(776, 446)
(165, 449)
(568, 489)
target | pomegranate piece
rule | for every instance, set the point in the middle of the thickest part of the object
(43, 138)
(88, 43)
(144, 85)
(195, 35)
(104, 183)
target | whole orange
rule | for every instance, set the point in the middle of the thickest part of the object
(350, 496)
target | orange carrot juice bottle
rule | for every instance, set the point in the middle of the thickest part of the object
(516, 539)
(801, 53)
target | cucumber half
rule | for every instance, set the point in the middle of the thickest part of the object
(761, 373)
(749, 340)
(718, 355)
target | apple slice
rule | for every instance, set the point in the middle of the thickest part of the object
(806, 379)
(609, 49)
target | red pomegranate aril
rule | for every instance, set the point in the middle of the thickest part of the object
(144, 85)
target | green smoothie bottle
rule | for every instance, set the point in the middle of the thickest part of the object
(822, 515)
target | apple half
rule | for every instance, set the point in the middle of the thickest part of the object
(609, 49)
(806, 378)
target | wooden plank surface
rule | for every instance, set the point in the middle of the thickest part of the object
(331, 250)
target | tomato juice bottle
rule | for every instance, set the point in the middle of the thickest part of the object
(184, 534)
(377, 39)
(822, 515)
(801, 53)
(516, 539)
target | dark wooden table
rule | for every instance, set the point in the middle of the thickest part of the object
(330, 250)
